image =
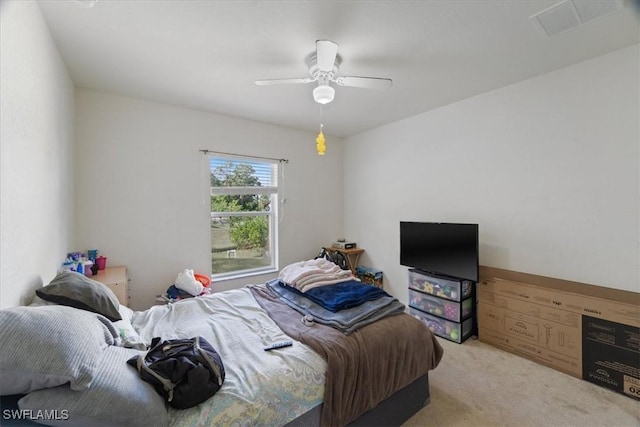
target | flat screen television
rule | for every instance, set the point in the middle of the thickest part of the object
(440, 248)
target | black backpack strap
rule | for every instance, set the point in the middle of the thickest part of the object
(323, 254)
(166, 384)
(212, 363)
(340, 260)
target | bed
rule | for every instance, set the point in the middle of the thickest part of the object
(66, 365)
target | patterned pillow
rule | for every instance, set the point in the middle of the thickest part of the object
(51, 345)
(117, 397)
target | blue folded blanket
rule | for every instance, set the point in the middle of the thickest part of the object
(342, 295)
(348, 320)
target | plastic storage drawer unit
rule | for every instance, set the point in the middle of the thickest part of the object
(449, 310)
(455, 290)
(456, 332)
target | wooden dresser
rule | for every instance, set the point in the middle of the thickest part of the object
(116, 279)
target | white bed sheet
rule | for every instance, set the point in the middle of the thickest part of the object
(261, 388)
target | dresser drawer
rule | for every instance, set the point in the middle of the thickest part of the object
(116, 279)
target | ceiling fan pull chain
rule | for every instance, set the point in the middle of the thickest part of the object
(321, 148)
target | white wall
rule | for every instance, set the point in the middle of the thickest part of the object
(36, 139)
(548, 167)
(141, 180)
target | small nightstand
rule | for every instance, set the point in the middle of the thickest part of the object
(116, 279)
(351, 255)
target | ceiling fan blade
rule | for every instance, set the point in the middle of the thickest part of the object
(364, 82)
(326, 52)
(269, 82)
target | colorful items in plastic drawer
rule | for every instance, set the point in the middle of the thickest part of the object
(435, 289)
(449, 311)
(442, 329)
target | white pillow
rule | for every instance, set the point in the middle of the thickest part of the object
(128, 336)
(39, 302)
(125, 312)
(48, 346)
(117, 397)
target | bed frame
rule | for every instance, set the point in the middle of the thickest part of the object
(394, 411)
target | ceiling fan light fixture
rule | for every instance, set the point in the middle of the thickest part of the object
(324, 65)
(323, 94)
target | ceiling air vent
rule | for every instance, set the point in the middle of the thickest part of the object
(571, 13)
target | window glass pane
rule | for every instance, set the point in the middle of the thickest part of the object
(243, 201)
(239, 243)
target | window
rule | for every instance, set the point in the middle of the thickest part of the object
(244, 213)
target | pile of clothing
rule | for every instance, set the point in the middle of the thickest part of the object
(326, 294)
(305, 275)
(186, 286)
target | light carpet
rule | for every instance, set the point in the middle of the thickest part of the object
(477, 384)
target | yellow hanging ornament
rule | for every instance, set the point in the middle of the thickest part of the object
(320, 146)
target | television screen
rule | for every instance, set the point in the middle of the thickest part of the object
(441, 248)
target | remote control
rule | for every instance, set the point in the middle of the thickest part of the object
(278, 345)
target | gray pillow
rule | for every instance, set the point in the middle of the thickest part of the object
(117, 397)
(48, 346)
(76, 290)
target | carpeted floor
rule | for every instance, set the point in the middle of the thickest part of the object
(479, 385)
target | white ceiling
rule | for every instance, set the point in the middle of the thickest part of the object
(206, 54)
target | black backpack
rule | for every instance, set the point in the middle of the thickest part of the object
(185, 372)
(335, 257)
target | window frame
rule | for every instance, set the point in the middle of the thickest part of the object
(272, 213)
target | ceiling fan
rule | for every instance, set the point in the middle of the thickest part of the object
(324, 65)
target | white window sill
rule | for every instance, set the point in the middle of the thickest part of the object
(233, 276)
